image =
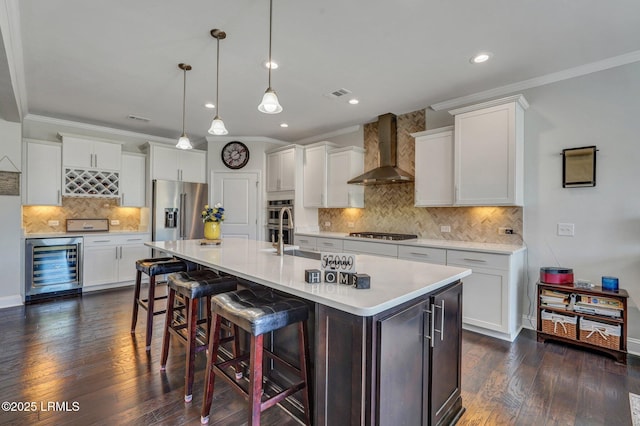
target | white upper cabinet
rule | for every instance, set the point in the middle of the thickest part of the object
(43, 173)
(345, 164)
(168, 163)
(132, 180)
(434, 167)
(489, 153)
(281, 170)
(86, 153)
(315, 174)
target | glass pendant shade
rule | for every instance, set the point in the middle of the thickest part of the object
(217, 127)
(184, 142)
(270, 104)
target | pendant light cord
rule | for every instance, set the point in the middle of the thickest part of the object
(184, 98)
(217, 77)
(270, 26)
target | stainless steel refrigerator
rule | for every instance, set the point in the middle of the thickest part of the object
(176, 210)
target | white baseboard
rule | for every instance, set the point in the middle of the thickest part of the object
(509, 337)
(9, 301)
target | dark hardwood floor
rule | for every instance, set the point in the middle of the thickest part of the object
(80, 351)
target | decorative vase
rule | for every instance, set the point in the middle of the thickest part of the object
(212, 230)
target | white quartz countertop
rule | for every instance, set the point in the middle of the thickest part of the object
(445, 244)
(393, 281)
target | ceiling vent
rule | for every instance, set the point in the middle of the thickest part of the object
(138, 118)
(338, 93)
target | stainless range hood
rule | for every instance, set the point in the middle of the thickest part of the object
(387, 172)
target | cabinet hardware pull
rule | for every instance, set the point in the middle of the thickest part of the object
(116, 252)
(468, 259)
(122, 198)
(134, 239)
(102, 241)
(59, 197)
(442, 321)
(96, 160)
(419, 254)
(433, 325)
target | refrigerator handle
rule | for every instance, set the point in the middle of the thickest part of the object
(181, 218)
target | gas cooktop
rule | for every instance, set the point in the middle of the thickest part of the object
(383, 236)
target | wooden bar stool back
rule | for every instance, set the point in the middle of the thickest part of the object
(152, 267)
(193, 286)
(257, 311)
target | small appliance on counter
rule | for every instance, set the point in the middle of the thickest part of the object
(556, 275)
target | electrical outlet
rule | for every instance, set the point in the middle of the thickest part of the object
(566, 229)
(53, 222)
(445, 228)
(350, 225)
(505, 231)
(327, 224)
(115, 222)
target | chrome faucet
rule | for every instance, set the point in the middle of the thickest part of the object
(280, 243)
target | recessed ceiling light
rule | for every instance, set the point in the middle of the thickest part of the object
(284, 125)
(274, 64)
(480, 58)
(354, 101)
(209, 105)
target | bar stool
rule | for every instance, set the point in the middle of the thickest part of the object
(193, 286)
(257, 311)
(152, 267)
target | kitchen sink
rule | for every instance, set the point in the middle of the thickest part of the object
(303, 253)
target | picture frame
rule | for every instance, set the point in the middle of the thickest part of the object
(579, 167)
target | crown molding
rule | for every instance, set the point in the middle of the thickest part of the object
(12, 40)
(339, 132)
(579, 71)
(96, 128)
(519, 99)
(224, 139)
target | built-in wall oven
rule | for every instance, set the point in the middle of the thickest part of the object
(53, 267)
(273, 217)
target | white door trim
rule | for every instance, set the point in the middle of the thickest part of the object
(260, 231)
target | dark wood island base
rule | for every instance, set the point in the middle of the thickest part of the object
(402, 366)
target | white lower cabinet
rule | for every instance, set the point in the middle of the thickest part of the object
(367, 247)
(305, 243)
(423, 254)
(329, 244)
(111, 260)
(491, 297)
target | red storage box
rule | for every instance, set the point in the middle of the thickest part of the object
(556, 275)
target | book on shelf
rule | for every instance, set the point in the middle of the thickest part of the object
(593, 310)
(597, 301)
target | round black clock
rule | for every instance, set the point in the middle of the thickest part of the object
(235, 155)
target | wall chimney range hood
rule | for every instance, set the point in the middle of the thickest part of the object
(387, 172)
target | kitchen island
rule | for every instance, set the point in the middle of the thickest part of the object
(384, 355)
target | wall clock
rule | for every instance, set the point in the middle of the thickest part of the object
(235, 155)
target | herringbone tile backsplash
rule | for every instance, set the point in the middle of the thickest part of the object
(389, 208)
(35, 218)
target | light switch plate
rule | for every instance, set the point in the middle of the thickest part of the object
(445, 228)
(114, 222)
(53, 222)
(566, 229)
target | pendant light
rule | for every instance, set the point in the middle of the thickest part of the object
(184, 142)
(270, 104)
(217, 125)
